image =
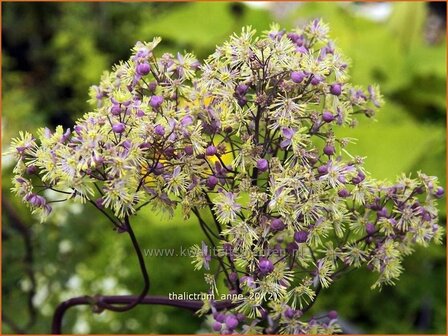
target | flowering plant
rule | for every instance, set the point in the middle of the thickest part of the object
(248, 139)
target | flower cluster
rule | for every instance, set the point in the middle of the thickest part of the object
(138, 145)
(248, 138)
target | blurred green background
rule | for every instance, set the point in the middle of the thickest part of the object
(53, 52)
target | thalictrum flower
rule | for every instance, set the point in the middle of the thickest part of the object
(246, 140)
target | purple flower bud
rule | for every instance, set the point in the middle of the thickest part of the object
(187, 120)
(48, 208)
(382, 212)
(196, 65)
(300, 41)
(231, 322)
(328, 116)
(322, 170)
(288, 133)
(30, 170)
(315, 80)
(415, 205)
(297, 76)
(329, 150)
(356, 180)
(312, 158)
(217, 326)
(211, 150)
(359, 178)
(322, 54)
(332, 315)
(419, 190)
(292, 247)
(156, 101)
(220, 317)
(342, 179)
(262, 165)
(263, 313)
(393, 221)
(127, 144)
(143, 69)
(277, 224)
(439, 192)
(240, 317)
(145, 145)
(128, 111)
(370, 228)
(228, 248)
(301, 49)
(300, 236)
(293, 37)
(159, 130)
(289, 313)
(37, 200)
(242, 101)
(98, 160)
(118, 128)
(329, 48)
(66, 135)
(336, 89)
(169, 152)
(212, 181)
(248, 280)
(277, 36)
(78, 129)
(115, 109)
(158, 170)
(242, 89)
(21, 180)
(343, 193)
(265, 266)
(188, 150)
(233, 276)
(152, 86)
(426, 216)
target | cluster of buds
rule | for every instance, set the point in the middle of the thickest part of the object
(248, 138)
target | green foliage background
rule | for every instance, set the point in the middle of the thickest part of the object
(53, 52)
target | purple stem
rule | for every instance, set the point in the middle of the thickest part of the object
(193, 305)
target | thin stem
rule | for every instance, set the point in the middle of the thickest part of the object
(108, 302)
(107, 215)
(143, 269)
(202, 223)
(210, 205)
(192, 305)
(319, 287)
